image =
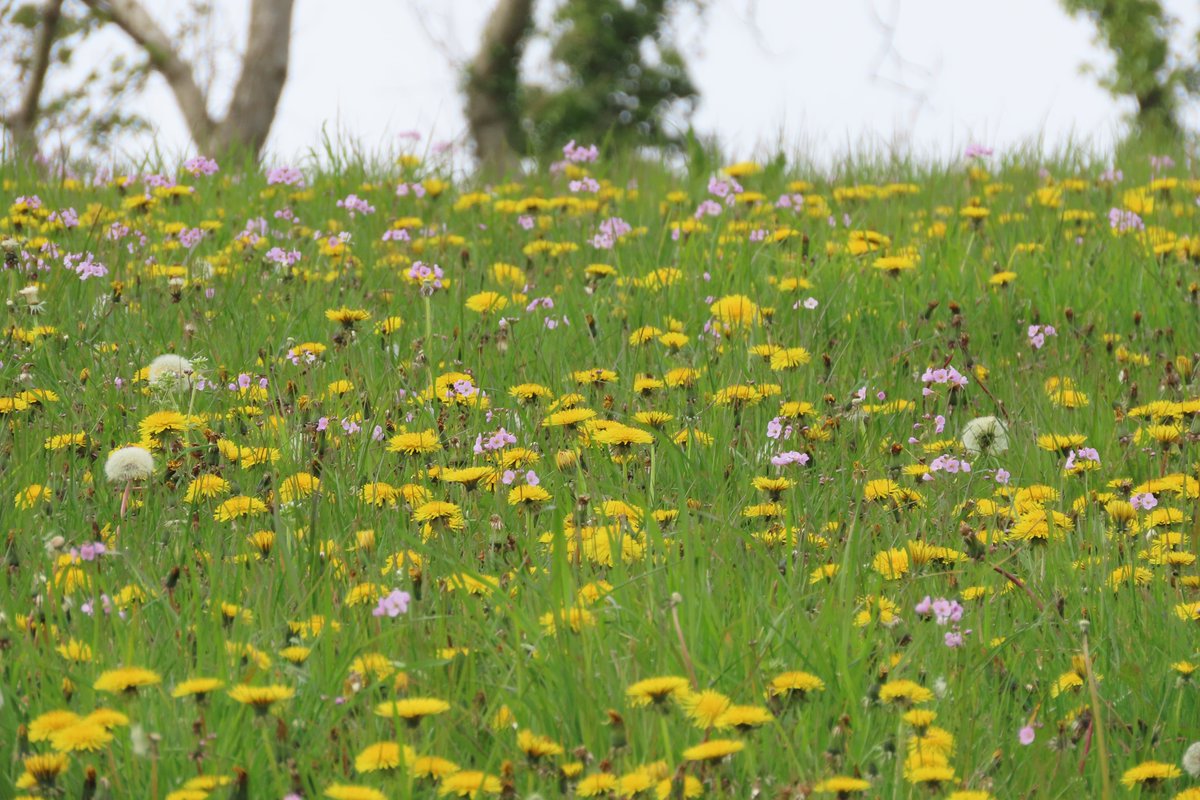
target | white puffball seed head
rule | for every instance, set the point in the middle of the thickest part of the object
(129, 464)
(169, 367)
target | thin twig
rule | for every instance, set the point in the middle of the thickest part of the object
(687, 656)
(1097, 720)
(992, 397)
(1015, 581)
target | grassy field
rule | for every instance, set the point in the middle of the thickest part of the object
(743, 483)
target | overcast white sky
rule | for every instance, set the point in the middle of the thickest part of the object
(816, 75)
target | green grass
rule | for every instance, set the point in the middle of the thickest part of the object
(723, 600)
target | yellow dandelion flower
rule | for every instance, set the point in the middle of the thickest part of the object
(412, 709)
(383, 756)
(261, 698)
(469, 783)
(126, 680)
(1149, 774)
(347, 317)
(486, 302)
(842, 786)
(736, 311)
(414, 443)
(237, 507)
(713, 750)
(656, 690)
(904, 693)
(198, 688)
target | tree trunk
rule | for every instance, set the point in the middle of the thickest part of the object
(247, 122)
(1156, 113)
(491, 85)
(264, 72)
(131, 17)
(23, 124)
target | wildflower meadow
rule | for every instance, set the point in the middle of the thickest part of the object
(620, 481)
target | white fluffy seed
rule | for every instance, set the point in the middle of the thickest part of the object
(129, 464)
(169, 367)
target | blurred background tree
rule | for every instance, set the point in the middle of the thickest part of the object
(243, 129)
(492, 84)
(608, 71)
(89, 104)
(1138, 34)
(38, 38)
(616, 75)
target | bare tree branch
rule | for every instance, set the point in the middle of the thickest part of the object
(889, 59)
(24, 121)
(247, 122)
(756, 29)
(131, 17)
(441, 43)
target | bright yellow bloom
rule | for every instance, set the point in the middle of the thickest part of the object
(656, 690)
(1149, 774)
(126, 679)
(414, 443)
(713, 750)
(261, 698)
(412, 709)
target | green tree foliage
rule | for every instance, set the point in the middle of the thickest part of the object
(1137, 33)
(36, 112)
(619, 77)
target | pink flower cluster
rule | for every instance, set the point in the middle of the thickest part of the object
(190, 237)
(496, 441)
(283, 258)
(1084, 454)
(288, 176)
(1038, 334)
(415, 189)
(429, 276)
(777, 430)
(84, 265)
(948, 463)
(795, 201)
(67, 216)
(611, 230)
(1122, 220)
(509, 477)
(256, 228)
(460, 388)
(296, 356)
(578, 154)
(89, 551)
(944, 612)
(106, 605)
(355, 205)
(726, 189)
(1144, 501)
(943, 375)
(585, 184)
(1161, 163)
(790, 457)
(393, 604)
(200, 165)
(156, 181)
